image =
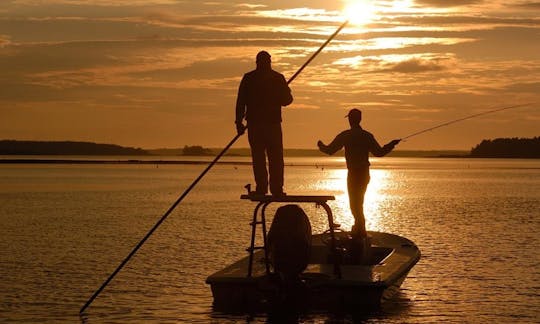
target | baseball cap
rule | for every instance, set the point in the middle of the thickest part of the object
(262, 55)
(355, 112)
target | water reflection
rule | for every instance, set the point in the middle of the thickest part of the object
(58, 245)
(334, 181)
(377, 195)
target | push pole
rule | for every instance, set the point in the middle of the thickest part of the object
(318, 51)
(186, 192)
(158, 224)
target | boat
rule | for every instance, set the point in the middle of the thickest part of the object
(334, 278)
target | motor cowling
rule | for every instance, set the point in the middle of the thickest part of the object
(289, 241)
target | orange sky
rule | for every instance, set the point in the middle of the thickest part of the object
(164, 73)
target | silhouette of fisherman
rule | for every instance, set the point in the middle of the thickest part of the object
(358, 144)
(261, 95)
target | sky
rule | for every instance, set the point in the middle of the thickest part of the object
(165, 73)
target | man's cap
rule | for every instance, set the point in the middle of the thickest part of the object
(355, 112)
(263, 55)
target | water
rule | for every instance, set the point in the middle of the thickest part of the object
(66, 227)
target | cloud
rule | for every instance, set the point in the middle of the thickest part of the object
(103, 3)
(4, 41)
(222, 68)
(306, 106)
(527, 5)
(471, 21)
(415, 66)
(447, 3)
(121, 63)
(526, 87)
(399, 63)
(250, 5)
(166, 25)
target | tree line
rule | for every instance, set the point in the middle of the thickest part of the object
(497, 148)
(12, 147)
(508, 148)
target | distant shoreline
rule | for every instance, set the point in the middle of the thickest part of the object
(88, 160)
(181, 160)
(165, 162)
(19, 149)
(129, 161)
(86, 152)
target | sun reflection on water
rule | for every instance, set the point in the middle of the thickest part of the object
(377, 195)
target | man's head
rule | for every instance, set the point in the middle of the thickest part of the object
(355, 116)
(263, 60)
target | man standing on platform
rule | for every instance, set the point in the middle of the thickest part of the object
(261, 95)
(358, 144)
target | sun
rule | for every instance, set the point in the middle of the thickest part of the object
(360, 12)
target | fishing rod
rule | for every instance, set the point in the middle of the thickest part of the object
(162, 219)
(465, 118)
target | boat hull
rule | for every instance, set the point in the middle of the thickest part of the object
(355, 286)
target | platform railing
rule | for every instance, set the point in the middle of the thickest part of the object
(262, 203)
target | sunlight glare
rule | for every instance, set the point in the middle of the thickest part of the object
(363, 12)
(375, 197)
(401, 5)
(359, 12)
(335, 182)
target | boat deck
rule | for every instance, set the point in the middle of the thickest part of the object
(366, 283)
(390, 255)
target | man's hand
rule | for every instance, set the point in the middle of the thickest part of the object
(394, 142)
(240, 128)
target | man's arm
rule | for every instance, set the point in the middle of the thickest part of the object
(379, 151)
(286, 95)
(336, 145)
(241, 101)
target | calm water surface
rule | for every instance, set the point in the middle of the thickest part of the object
(65, 227)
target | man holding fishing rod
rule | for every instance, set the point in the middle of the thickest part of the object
(261, 95)
(358, 144)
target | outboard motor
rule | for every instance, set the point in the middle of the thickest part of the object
(289, 242)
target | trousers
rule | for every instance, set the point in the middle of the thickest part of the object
(357, 182)
(266, 140)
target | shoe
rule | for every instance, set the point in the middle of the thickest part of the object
(279, 194)
(257, 193)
